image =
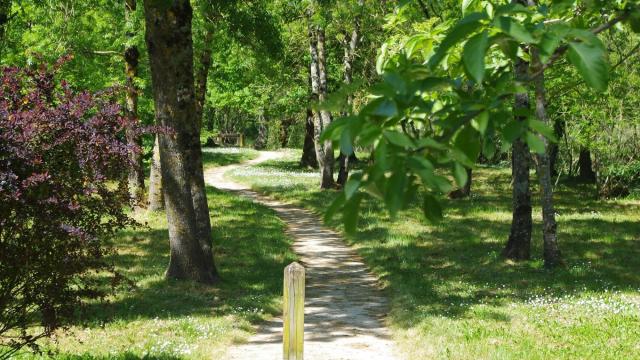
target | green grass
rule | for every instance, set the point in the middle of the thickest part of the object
(454, 297)
(162, 319)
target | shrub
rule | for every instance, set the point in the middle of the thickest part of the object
(63, 192)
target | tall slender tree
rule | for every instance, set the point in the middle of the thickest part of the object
(132, 59)
(519, 244)
(551, 253)
(169, 41)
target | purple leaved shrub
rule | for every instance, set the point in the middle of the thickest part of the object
(63, 193)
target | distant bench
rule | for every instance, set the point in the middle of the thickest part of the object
(231, 139)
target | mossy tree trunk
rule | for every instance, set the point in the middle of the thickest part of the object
(168, 36)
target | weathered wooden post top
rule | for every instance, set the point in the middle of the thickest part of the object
(293, 312)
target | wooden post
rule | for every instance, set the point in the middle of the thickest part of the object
(241, 140)
(293, 320)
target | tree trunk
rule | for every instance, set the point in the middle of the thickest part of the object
(324, 150)
(551, 252)
(519, 244)
(309, 158)
(261, 140)
(554, 148)
(202, 75)
(131, 57)
(168, 36)
(156, 199)
(586, 166)
(350, 45)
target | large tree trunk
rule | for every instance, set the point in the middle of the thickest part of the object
(586, 166)
(156, 198)
(169, 41)
(324, 150)
(551, 253)
(309, 158)
(131, 57)
(519, 244)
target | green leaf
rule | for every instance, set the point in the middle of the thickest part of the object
(542, 128)
(481, 122)
(333, 131)
(346, 143)
(431, 208)
(399, 139)
(386, 108)
(350, 215)
(394, 190)
(591, 61)
(352, 185)
(460, 174)
(337, 203)
(473, 56)
(535, 143)
(513, 28)
(512, 131)
(548, 45)
(468, 141)
(489, 148)
(464, 27)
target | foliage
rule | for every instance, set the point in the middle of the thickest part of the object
(446, 95)
(63, 194)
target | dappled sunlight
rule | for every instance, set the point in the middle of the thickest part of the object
(449, 285)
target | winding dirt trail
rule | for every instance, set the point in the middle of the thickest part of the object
(344, 310)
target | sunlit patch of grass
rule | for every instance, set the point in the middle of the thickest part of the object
(160, 319)
(452, 294)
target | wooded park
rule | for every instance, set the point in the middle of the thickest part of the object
(319, 179)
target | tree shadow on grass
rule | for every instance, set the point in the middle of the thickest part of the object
(251, 252)
(446, 269)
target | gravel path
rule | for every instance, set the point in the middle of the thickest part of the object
(344, 310)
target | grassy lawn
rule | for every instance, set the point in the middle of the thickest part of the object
(454, 297)
(170, 320)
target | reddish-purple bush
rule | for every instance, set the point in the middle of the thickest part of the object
(63, 192)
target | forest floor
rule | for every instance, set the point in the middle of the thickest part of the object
(344, 309)
(451, 294)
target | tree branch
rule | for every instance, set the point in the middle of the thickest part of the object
(563, 49)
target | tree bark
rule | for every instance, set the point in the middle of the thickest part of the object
(551, 254)
(309, 158)
(519, 244)
(586, 166)
(156, 198)
(554, 148)
(324, 150)
(350, 45)
(202, 75)
(132, 57)
(168, 37)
